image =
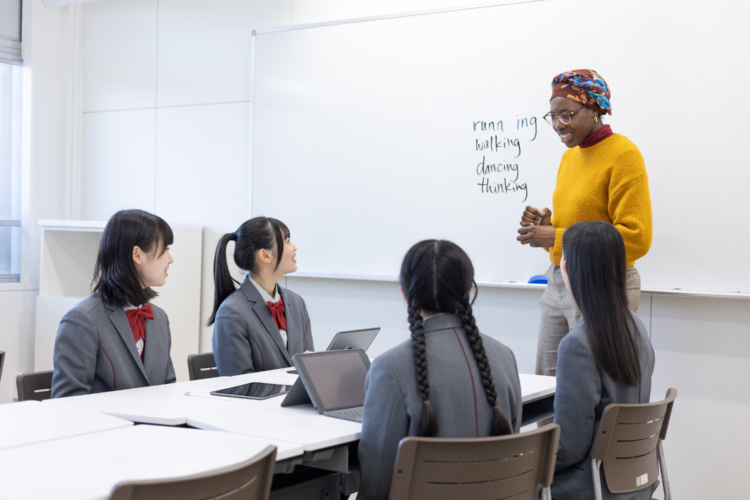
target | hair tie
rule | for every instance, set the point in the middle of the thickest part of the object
(232, 236)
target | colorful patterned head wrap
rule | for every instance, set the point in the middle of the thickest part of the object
(585, 86)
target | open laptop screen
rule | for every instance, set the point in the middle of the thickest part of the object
(335, 379)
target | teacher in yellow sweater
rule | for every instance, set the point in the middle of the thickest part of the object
(602, 176)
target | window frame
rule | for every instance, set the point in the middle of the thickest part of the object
(12, 132)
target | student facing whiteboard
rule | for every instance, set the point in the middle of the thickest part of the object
(448, 381)
(261, 325)
(115, 339)
(602, 176)
(607, 358)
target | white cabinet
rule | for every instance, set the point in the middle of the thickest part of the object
(69, 250)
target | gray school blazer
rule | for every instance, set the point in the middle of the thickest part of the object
(580, 397)
(95, 351)
(246, 338)
(393, 407)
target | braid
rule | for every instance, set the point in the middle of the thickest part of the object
(500, 424)
(428, 423)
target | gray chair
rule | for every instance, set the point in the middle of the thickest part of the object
(628, 446)
(249, 480)
(34, 385)
(202, 366)
(517, 466)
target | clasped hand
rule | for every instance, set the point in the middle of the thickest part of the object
(536, 229)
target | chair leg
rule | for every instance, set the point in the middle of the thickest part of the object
(663, 468)
(595, 467)
(546, 494)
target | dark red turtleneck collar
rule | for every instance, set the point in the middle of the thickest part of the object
(597, 137)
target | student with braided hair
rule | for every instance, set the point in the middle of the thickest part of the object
(448, 381)
(260, 325)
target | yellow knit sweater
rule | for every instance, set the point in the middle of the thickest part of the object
(607, 182)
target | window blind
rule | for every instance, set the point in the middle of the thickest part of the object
(10, 31)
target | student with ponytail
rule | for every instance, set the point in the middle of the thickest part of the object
(115, 339)
(607, 358)
(448, 381)
(260, 325)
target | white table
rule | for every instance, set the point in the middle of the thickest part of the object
(162, 404)
(536, 387)
(322, 441)
(168, 404)
(30, 422)
(538, 395)
(176, 404)
(325, 440)
(301, 434)
(302, 423)
(88, 466)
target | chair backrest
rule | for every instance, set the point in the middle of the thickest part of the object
(2, 362)
(628, 441)
(249, 480)
(34, 385)
(516, 466)
(202, 366)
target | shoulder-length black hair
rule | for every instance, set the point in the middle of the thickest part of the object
(115, 275)
(437, 276)
(253, 235)
(595, 255)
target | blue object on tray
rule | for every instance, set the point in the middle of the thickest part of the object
(539, 278)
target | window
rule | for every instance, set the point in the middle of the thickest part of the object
(10, 171)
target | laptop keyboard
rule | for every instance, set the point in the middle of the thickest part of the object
(354, 414)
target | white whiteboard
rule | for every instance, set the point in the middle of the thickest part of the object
(364, 137)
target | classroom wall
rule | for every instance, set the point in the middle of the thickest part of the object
(165, 125)
(49, 66)
(167, 112)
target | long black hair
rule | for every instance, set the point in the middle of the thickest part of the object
(116, 278)
(255, 234)
(595, 255)
(437, 276)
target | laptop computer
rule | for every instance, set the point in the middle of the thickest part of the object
(334, 381)
(351, 339)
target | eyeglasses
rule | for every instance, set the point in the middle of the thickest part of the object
(564, 117)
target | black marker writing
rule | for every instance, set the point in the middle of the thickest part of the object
(496, 143)
(488, 126)
(506, 187)
(484, 168)
(498, 170)
(527, 122)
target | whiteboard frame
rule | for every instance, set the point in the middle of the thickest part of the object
(519, 286)
(388, 16)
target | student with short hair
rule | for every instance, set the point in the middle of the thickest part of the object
(260, 325)
(115, 339)
(607, 358)
(448, 381)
